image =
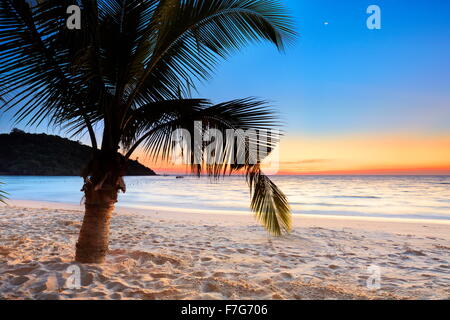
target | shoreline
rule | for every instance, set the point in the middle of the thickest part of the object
(158, 254)
(166, 210)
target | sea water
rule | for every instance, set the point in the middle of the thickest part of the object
(404, 197)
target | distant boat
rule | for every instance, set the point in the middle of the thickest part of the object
(180, 177)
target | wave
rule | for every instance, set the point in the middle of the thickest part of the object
(357, 196)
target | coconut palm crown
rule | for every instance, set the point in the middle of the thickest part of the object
(125, 78)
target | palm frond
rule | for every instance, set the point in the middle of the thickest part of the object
(268, 201)
(193, 35)
(36, 63)
(3, 195)
(152, 115)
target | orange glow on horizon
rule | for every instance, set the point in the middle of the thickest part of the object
(353, 155)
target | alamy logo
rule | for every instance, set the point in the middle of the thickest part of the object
(74, 20)
(374, 20)
(374, 280)
(74, 279)
(232, 147)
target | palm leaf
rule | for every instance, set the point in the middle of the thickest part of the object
(36, 63)
(193, 35)
(268, 201)
(3, 195)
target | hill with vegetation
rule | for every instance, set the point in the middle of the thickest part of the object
(48, 155)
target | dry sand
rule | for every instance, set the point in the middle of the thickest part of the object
(167, 255)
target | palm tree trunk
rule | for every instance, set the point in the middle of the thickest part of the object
(92, 245)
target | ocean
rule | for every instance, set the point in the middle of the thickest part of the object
(401, 197)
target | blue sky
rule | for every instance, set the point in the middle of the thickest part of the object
(342, 78)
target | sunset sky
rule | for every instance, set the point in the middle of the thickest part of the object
(353, 100)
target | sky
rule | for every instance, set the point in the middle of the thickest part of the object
(353, 100)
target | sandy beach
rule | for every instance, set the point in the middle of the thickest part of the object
(170, 255)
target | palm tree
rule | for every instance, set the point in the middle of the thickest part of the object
(128, 74)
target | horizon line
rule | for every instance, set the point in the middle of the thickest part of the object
(362, 172)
